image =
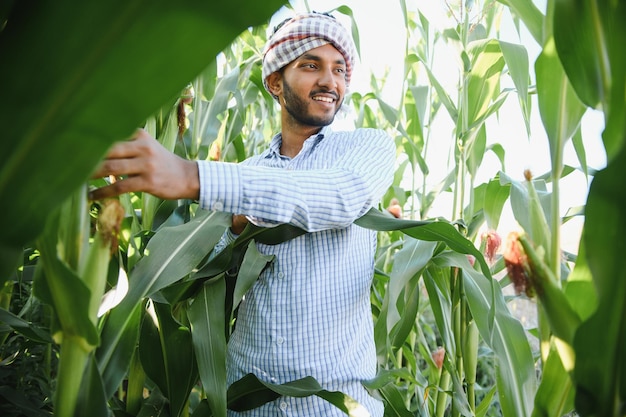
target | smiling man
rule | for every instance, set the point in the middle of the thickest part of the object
(309, 312)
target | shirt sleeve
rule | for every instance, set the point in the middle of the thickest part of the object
(314, 200)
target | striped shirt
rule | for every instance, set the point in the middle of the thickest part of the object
(309, 313)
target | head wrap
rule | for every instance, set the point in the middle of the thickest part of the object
(301, 34)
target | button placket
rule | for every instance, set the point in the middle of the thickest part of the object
(283, 406)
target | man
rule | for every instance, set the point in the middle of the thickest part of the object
(309, 312)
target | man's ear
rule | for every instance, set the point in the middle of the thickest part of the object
(274, 82)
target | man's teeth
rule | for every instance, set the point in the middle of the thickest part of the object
(325, 99)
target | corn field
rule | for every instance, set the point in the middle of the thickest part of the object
(118, 307)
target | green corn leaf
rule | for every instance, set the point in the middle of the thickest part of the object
(208, 326)
(582, 44)
(579, 288)
(581, 152)
(600, 371)
(408, 264)
(171, 254)
(560, 108)
(530, 15)
(484, 78)
(211, 125)
(555, 395)
(167, 356)
(167, 137)
(496, 194)
(443, 96)
(91, 399)
(109, 65)
(515, 373)
(253, 263)
(117, 347)
(437, 283)
(476, 150)
(516, 58)
(394, 402)
(432, 231)
(589, 38)
(25, 328)
(60, 287)
(485, 404)
(250, 392)
(531, 208)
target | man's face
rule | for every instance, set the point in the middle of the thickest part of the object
(313, 86)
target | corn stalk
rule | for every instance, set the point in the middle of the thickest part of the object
(75, 269)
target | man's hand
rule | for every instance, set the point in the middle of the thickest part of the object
(239, 223)
(148, 167)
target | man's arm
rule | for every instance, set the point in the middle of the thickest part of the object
(317, 199)
(312, 200)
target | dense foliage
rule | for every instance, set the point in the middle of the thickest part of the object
(142, 329)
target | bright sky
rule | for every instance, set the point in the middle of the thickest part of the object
(383, 38)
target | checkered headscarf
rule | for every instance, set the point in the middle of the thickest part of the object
(303, 33)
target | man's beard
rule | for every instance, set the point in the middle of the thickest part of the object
(297, 108)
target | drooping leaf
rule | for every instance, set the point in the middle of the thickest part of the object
(25, 328)
(432, 231)
(530, 15)
(251, 392)
(516, 58)
(97, 87)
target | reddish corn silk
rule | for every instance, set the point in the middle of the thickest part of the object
(438, 356)
(394, 208)
(492, 244)
(517, 265)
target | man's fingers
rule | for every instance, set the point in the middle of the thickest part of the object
(117, 188)
(129, 148)
(117, 167)
(125, 158)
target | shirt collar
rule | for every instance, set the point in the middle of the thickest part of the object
(277, 140)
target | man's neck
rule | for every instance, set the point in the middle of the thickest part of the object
(293, 139)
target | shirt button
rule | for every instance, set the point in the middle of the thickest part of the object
(218, 206)
(281, 275)
(280, 340)
(283, 406)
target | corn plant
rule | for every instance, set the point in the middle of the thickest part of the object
(447, 342)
